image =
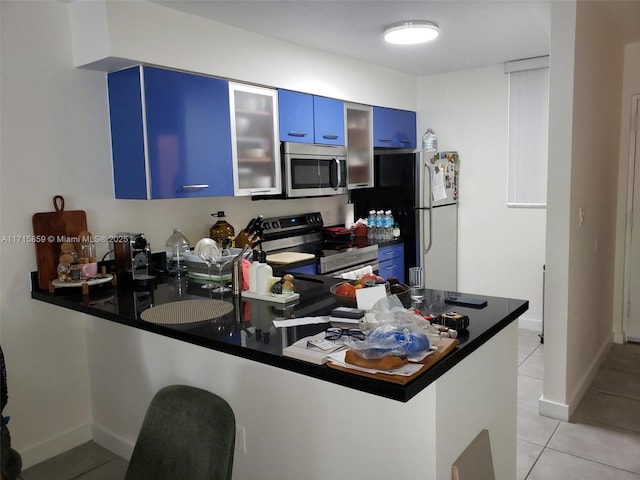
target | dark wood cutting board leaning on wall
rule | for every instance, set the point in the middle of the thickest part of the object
(50, 229)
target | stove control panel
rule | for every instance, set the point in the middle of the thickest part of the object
(293, 224)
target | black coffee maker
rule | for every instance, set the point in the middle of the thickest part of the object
(132, 257)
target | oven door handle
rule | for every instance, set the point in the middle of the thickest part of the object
(375, 267)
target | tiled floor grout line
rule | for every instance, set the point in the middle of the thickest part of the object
(80, 475)
(601, 424)
(541, 451)
(604, 392)
(591, 460)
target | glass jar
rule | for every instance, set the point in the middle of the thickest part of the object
(64, 272)
(221, 231)
(87, 257)
(177, 248)
(76, 272)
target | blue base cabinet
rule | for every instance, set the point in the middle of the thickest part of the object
(391, 261)
(305, 118)
(394, 128)
(170, 134)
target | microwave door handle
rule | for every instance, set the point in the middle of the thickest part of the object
(339, 173)
(336, 163)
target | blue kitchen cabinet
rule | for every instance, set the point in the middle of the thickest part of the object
(328, 120)
(394, 128)
(305, 118)
(295, 113)
(391, 261)
(170, 134)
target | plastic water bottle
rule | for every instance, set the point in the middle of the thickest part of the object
(385, 222)
(371, 220)
(176, 248)
(380, 225)
(430, 141)
(389, 225)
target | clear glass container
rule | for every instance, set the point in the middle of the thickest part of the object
(221, 231)
(87, 248)
(177, 248)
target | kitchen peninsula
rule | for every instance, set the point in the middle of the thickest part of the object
(299, 420)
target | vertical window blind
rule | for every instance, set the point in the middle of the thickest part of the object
(528, 131)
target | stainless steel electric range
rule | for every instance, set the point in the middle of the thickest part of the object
(304, 233)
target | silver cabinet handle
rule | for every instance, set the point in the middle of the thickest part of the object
(297, 134)
(405, 141)
(194, 187)
(330, 137)
(384, 139)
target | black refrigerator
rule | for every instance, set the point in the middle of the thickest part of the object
(421, 190)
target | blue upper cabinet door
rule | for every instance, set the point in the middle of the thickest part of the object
(328, 114)
(295, 115)
(394, 128)
(127, 134)
(188, 135)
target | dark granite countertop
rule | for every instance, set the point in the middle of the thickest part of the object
(248, 331)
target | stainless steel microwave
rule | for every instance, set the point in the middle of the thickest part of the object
(314, 170)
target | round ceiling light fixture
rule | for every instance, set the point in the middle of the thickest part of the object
(411, 32)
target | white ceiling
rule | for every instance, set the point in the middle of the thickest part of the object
(472, 33)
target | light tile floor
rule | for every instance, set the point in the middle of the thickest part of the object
(601, 442)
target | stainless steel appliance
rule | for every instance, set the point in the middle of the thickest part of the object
(132, 255)
(314, 170)
(421, 190)
(303, 233)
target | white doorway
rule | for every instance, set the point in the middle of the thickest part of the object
(631, 319)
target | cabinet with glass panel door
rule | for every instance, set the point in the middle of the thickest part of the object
(254, 140)
(359, 145)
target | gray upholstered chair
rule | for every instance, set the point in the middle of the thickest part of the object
(188, 434)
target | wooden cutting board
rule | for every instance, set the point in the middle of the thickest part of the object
(289, 257)
(52, 228)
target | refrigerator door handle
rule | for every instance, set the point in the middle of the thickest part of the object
(427, 178)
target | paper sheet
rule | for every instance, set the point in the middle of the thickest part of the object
(437, 185)
(367, 297)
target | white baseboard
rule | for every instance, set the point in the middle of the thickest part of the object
(113, 442)
(619, 337)
(55, 446)
(562, 411)
(549, 408)
(533, 324)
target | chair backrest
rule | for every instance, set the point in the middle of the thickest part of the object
(187, 433)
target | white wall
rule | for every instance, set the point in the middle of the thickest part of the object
(594, 184)
(501, 250)
(561, 60)
(581, 257)
(144, 32)
(630, 87)
(55, 140)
